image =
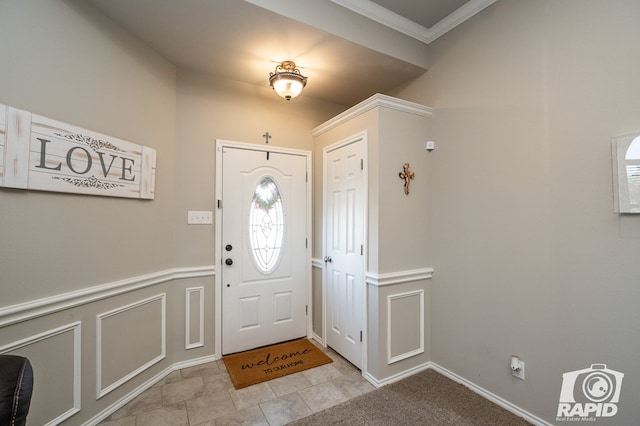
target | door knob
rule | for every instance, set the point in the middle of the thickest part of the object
(229, 262)
(228, 247)
(327, 259)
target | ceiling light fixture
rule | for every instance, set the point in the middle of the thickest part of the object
(287, 81)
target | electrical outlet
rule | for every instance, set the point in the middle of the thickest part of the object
(199, 217)
(519, 372)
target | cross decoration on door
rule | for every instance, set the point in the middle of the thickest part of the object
(406, 175)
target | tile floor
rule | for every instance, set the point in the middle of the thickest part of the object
(203, 395)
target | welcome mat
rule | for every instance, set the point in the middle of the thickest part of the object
(271, 362)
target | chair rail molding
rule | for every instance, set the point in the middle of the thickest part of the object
(13, 314)
(380, 280)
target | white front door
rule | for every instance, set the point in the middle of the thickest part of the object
(344, 247)
(264, 248)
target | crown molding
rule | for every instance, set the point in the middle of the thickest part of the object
(406, 26)
(377, 100)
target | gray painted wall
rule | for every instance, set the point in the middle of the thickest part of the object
(64, 61)
(134, 259)
(529, 257)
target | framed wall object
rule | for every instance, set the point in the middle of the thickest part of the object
(38, 153)
(625, 153)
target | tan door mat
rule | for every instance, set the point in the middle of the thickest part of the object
(270, 362)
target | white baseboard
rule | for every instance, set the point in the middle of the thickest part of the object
(490, 396)
(146, 385)
(318, 339)
(375, 382)
(531, 418)
(402, 375)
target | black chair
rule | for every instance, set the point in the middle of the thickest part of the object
(16, 388)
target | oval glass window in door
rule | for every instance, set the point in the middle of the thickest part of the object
(266, 225)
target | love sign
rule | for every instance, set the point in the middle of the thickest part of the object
(39, 153)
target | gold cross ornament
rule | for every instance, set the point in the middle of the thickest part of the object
(406, 175)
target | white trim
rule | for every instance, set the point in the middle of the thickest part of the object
(309, 246)
(531, 418)
(187, 318)
(76, 327)
(398, 376)
(420, 348)
(375, 382)
(220, 144)
(317, 263)
(318, 339)
(100, 391)
(386, 17)
(145, 386)
(466, 11)
(408, 27)
(35, 308)
(381, 280)
(377, 100)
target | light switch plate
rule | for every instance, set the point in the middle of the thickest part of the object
(199, 217)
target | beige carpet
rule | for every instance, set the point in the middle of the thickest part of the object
(427, 398)
(270, 362)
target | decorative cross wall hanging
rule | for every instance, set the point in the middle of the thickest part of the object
(406, 175)
(266, 137)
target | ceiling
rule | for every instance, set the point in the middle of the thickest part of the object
(348, 49)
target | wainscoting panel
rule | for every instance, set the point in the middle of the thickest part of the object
(405, 326)
(129, 340)
(55, 357)
(194, 317)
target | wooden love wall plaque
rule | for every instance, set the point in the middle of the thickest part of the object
(39, 153)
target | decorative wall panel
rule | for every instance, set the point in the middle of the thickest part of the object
(405, 327)
(129, 340)
(194, 317)
(56, 359)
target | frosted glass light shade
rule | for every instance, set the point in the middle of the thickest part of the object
(287, 88)
(287, 81)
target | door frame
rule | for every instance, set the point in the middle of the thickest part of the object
(220, 144)
(360, 136)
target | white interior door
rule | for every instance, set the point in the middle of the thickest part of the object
(263, 248)
(344, 248)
